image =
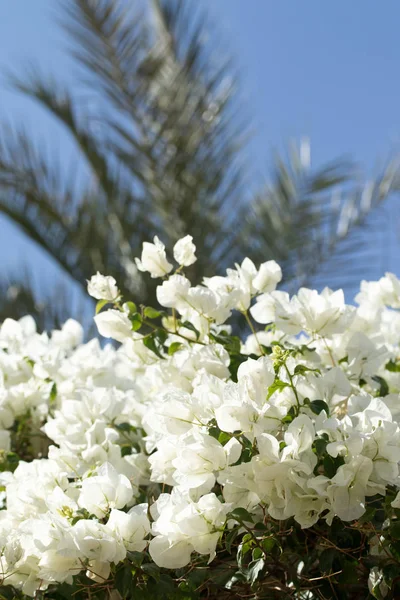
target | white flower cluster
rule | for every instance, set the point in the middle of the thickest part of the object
(151, 446)
(28, 365)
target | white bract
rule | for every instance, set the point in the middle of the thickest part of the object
(184, 251)
(104, 491)
(154, 259)
(182, 526)
(103, 288)
(114, 324)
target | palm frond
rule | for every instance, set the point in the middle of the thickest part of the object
(303, 217)
(160, 143)
(20, 297)
(174, 133)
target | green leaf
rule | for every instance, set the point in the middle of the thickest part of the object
(123, 580)
(161, 336)
(286, 419)
(152, 313)
(100, 304)
(12, 458)
(224, 437)
(196, 577)
(136, 321)
(131, 307)
(395, 531)
(327, 558)
(230, 538)
(349, 572)
(368, 516)
(331, 465)
(8, 593)
(213, 429)
(255, 570)
(163, 589)
(152, 570)
(302, 369)
(260, 526)
(268, 543)
(390, 572)
(188, 325)
(235, 361)
(127, 427)
(395, 550)
(136, 558)
(231, 343)
(278, 385)
(266, 349)
(153, 342)
(318, 406)
(320, 446)
(53, 393)
(9, 462)
(174, 347)
(243, 549)
(238, 577)
(383, 386)
(241, 515)
(257, 553)
(392, 367)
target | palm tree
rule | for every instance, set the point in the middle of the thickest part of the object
(164, 154)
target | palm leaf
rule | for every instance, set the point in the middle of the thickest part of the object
(160, 150)
(303, 217)
(19, 297)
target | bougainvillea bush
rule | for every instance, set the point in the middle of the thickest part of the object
(189, 462)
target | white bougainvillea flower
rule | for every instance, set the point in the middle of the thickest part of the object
(326, 313)
(183, 526)
(346, 491)
(279, 308)
(105, 491)
(268, 276)
(174, 292)
(200, 459)
(154, 259)
(132, 527)
(103, 287)
(184, 251)
(114, 324)
(69, 336)
(96, 542)
(322, 314)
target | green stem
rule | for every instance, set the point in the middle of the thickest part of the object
(293, 388)
(155, 327)
(329, 352)
(253, 331)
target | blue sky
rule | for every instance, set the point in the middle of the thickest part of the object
(326, 70)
